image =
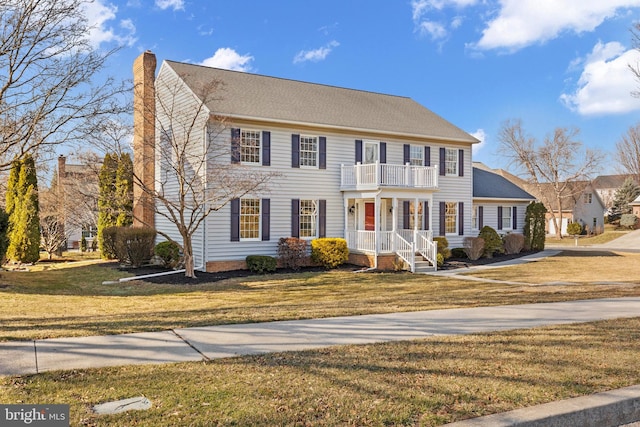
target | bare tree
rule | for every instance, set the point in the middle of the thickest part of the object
(48, 73)
(194, 174)
(52, 234)
(628, 152)
(560, 164)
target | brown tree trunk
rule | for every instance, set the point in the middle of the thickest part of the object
(189, 267)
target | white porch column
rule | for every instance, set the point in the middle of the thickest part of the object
(415, 214)
(394, 219)
(345, 201)
(376, 225)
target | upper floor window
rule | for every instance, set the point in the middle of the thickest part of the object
(474, 217)
(451, 161)
(451, 218)
(308, 218)
(249, 146)
(416, 155)
(308, 151)
(370, 152)
(588, 198)
(249, 218)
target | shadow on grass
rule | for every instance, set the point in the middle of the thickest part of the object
(587, 254)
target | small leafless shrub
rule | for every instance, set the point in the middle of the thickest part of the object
(473, 247)
(513, 243)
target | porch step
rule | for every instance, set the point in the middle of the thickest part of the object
(424, 267)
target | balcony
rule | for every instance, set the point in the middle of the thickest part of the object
(377, 175)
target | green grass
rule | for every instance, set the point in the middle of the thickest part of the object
(73, 301)
(424, 382)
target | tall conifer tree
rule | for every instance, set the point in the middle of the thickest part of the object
(115, 202)
(24, 220)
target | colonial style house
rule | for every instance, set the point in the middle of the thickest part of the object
(381, 171)
(497, 202)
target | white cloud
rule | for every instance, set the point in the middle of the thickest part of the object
(315, 55)
(482, 137)
(423, 13)
(98, 15)
(229, 59)
(173, 4)
(522, 23)
(606, 83)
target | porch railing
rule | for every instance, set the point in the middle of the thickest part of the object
(376, 175)
(405, 243)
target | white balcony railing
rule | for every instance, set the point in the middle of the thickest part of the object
(376, 175)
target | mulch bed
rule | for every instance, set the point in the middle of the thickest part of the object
(203, 278)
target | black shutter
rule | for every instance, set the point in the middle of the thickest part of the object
(266, 148)
(266, 219)
(425, 211)
(443, 210)
(295, 151)
(442, 163)
(295, 217)
(358, 151)
(499, 217)
(480, 217)
(322, 155)
(322, 218)
(460, 219)
(406, 213)
(460, 162)
(514, 215)
(427, 156)
(235, 220)
(406, 149)
(383, 152)
(235, 145)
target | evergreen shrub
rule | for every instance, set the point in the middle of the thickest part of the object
(329, 252)
(169, 252)
(492, 241)
(443, 246)
(261, 264)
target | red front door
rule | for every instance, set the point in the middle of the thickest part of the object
(369, 217)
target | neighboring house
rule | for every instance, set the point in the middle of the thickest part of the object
(606, 187)
(381, 171)
(497, 202)
(77, 188)
(635, 205)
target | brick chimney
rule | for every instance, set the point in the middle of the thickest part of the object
(144, 136)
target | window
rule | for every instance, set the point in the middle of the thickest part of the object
(308, 151)
(507, 217)
(588, 198)
(451, 218)
(89, 231)
(249, 146)
(474, 218)
(416, 154)
(451, 161)
(370, 152)
(412, 224)
(308, 218)
(249, 218)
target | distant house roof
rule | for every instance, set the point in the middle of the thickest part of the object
(253, 96)
(487, 184)
(610, 181)
(636, 202)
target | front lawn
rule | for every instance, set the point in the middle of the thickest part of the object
(74, 302)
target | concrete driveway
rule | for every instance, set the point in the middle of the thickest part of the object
(630, 241)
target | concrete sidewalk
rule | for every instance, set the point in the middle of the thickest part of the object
(206, 343)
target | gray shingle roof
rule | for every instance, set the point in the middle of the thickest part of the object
(254, 96)
(490, 185)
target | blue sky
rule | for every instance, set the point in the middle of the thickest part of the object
(476, 63)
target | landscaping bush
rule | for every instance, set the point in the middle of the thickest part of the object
(473, 247)
(443, 247)
(83, 244)
(574, 229)
(492, 241)
(440, 260)
(458, 253)
(292, 252)
(329, 252)
(130, 245)
(628, 221)
(261, 264)
(513, 243)
(534, 226)
(109, 242)
(168, 252)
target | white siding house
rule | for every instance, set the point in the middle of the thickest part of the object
(381, 171)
